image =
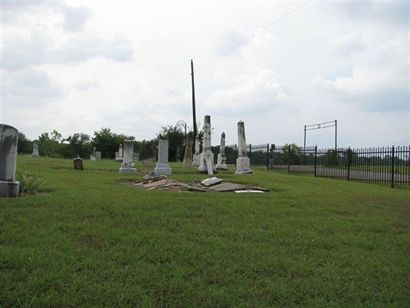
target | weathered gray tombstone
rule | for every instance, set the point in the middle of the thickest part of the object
(196, 157)
(92, 156)
(243, 164)
(187, 162)
(118, 155)
(35, 150)
(206, 160)
(78, 163)
(97, 155)
(162, 166)
(128, 165)
(9, 187)
(221, 162)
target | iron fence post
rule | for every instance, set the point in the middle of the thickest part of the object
(315, 161)
(267, 157)
(392, 167)
(288, 158)
(349, 158)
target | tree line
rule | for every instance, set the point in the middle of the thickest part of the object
(53, 144)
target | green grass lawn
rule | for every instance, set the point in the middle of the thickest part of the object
(89, 241)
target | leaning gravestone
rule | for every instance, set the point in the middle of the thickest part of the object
(9, 187)
(128, 165)
(242, 162)
(162, 166)
(35, 150)
(221, 162)
(206, 160)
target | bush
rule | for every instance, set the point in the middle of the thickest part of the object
(29, 184)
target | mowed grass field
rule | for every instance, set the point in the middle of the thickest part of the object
(89, 241)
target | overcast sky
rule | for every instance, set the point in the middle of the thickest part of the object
(78, 66)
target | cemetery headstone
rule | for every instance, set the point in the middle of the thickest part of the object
(206, 160)
(118, 155)
(97, 155)
(78, 163)
(92, 156)
(242, 162)
(221, 162)
(162, 166)
(35, 150)
(9, 187)
(128, 165)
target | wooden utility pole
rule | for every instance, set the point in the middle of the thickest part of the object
(193, 99)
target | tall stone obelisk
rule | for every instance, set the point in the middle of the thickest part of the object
(206, 160)
(196, 156)
(243, 164)
(221, 162)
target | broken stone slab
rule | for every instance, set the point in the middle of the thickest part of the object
(211, 181)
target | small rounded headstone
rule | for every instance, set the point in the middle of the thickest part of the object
(78, 163)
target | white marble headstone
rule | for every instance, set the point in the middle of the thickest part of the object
(243, 164)
(128, 165)
(162, 166)
(9, 187)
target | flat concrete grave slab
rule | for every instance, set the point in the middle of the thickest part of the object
(165, 184)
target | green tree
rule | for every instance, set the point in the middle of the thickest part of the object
(78, 144)
(292, 154)
(176, 141)
(24, 144)
(108, 142)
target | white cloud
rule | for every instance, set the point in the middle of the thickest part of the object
(248, 94)
(29, 88)
(114, 65)
(348, 44)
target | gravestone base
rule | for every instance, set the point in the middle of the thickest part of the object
(195, 160)
(221, 165)
(9, 189)
(128, 168)
(162, 169)
(243, 165)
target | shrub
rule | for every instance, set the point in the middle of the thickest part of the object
(29, 184)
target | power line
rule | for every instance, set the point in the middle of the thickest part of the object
(253, 35)
(201, 51)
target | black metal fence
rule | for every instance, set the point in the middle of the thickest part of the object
(259, 154)
(386, 165)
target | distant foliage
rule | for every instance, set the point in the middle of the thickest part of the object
(24, 145)
(108, 142)
(77, 144)
(176, 141)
